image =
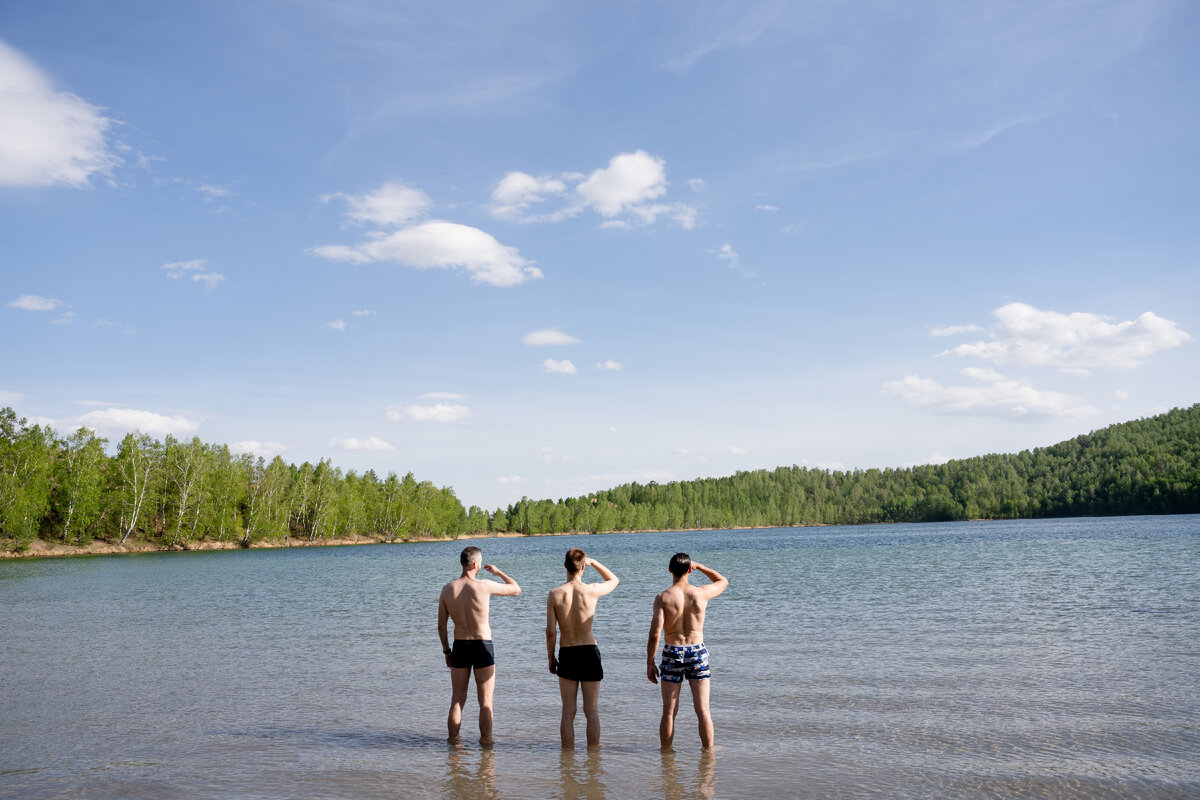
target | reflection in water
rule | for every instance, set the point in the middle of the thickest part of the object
(582, 781)
(677, 783)
(461, 784)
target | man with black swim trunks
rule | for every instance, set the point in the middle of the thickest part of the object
(467, 601)
(679, 614)
(571, 608)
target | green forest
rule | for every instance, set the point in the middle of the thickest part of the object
(173, 493)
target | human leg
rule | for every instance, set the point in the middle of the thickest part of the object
(670, 698)
(569, 690)
(485, 684)
(700, 689)
(459, 680)
(591, 710)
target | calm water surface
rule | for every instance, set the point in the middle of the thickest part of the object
(1003, 659)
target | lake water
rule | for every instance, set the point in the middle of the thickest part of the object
(1038, 658)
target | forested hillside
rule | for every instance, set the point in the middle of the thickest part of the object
(173, 493)
(1148, 466)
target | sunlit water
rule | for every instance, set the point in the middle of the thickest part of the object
(1002, 659)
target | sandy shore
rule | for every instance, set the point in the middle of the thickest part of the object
(43, 549)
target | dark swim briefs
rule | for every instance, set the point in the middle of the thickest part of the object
(472, 653)
(580, 663)
(681, 661)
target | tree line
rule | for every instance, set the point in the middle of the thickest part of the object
(173, 492)
(1148, 466)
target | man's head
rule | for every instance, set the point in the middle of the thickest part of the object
(471, 556)
(574, 560)
(681, 564)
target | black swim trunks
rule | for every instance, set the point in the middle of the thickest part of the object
(472, 653)
(580, 663)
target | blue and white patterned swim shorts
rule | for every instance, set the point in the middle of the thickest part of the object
(681, 661)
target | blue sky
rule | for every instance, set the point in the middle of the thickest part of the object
(543, 248)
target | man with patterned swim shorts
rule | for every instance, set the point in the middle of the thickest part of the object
(679, 614)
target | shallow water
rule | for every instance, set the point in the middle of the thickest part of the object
(1038, 658)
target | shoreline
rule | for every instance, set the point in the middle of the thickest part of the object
(39, 548)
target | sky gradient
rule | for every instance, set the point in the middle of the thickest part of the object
(542, 248)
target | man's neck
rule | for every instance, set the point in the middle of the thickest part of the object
(682, 580)
(575, 578)
(469, 572)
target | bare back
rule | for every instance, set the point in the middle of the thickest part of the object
(574, 607)
(468, 602)
(683, 607)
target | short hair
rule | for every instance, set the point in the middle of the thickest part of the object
(469, 555)
(681, 563)
(574, 560)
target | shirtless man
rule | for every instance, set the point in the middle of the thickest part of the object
(467, 601)
(679, 614)
(572, 607)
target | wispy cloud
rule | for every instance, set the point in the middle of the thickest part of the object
(197, 270)
(549, 337)
(953, 330)
(119, 421)
(990, 395)
(35, 302)
(47, 137)
(733, 261)
(625, 193)
(351, 443)
(564, 367)
(445, 413)
(441, 396)
(338, 325)
(1075, 343)
(254, 447)
(610, 365)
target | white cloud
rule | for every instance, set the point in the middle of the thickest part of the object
(8, 398)
(512, 480)
(211, 280)
(734, 261)
(1075, 343)
(177, 269)
(1121, 394)
(65, 319)
(795, 227)
(738, 451)
(517, 191)
(93, 403)
(364, 313)
(389, 206)
(338, 325)
(350, 443)
(697, 184)
(610, 429)
(993, 396)
(611, 365)
(550, 454)
(564, 367)
(441, 245)
(441, 396)
(629, 180)
(211, 192)
(119, 421)
(47, 137)
(34, 302)
(620, 192)
(766, 207)
(953, 330)
(548, 337)
(264, 449)
(340, 252)
(196, 269)
(439, 412)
